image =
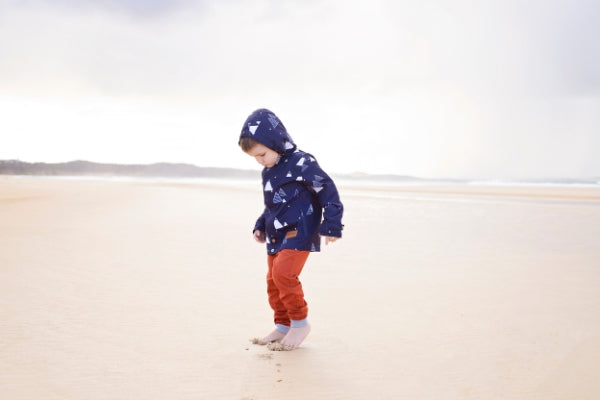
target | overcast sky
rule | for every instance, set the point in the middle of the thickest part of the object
(489, 89)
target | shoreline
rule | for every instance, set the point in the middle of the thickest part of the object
(394, 190)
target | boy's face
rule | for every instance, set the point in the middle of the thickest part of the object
(263, 155)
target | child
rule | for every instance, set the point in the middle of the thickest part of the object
(297, 195)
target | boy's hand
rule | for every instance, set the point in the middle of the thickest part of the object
(330, 239)
(259, 236)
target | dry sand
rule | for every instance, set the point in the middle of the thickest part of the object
(129, 290)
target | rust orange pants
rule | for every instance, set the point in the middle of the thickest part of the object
(286, 296)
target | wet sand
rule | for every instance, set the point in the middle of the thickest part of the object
(135, 290)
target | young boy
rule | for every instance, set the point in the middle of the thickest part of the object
(301, 204)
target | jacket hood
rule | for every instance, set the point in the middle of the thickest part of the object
(264, 127)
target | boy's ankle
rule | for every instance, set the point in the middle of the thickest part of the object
(282, 328)
(298, 323)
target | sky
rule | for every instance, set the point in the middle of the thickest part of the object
(467, 89)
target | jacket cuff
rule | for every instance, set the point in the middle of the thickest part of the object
(329, 230)
(259, 226)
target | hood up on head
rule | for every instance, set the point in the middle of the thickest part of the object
(264, 127)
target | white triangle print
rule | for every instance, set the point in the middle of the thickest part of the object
(268, 187)
(288, 145)
(278, 224)
(301, 162)
(253, 128)
(317, 188)
(289, 174)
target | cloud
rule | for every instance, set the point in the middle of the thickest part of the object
(494, 88)
(134, 8)
(159, 46)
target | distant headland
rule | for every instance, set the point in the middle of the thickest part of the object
(184, 171)
(82, 168)
(156, 170)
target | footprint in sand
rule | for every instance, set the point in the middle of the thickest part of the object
(276, 346)
(258, 341)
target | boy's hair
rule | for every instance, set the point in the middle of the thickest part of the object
(247, 143)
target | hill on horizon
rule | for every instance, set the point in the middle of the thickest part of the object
(155, 170)
(81, 167)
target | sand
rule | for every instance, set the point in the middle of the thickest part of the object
(142, 290)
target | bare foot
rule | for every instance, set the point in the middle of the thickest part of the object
(295, 337)
(274, 336)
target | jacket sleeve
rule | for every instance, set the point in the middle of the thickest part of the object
(329, 199)
(260, 222)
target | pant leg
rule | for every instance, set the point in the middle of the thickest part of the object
(280, 314)
(286, 267)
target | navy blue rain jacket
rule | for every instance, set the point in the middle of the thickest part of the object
(301, 200)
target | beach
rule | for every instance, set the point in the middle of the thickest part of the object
(125, 289)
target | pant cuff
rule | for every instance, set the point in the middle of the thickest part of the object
(299, 323)
(282, 328)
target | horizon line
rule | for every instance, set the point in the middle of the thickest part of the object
(352, 175)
